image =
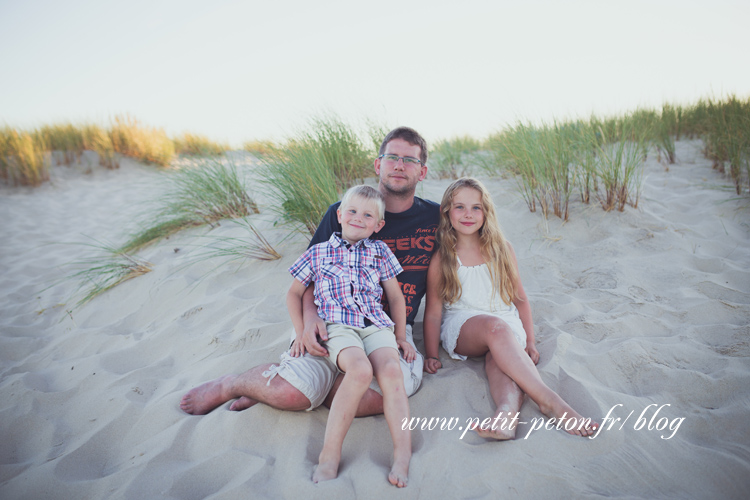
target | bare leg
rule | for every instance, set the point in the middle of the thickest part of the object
(508, 399)
(251, 385)
(387, 368)
(357, 377)
(482, 333)
(370, 404)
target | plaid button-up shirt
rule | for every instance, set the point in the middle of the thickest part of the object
(347, 279)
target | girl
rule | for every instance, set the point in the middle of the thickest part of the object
(474, 288)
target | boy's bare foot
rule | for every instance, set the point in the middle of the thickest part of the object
(561, 411)
(204, 398)
(325, 471)
(399, 475)
(242, 403)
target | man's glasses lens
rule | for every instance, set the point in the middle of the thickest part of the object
(408, 160)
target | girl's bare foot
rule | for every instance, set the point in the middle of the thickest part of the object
(563, 413)
(204, 398)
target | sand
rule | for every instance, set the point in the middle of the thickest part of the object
(648, 309)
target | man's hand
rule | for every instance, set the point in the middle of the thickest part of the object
(410, 354)
(314, 328)
(533, 353)
(432, 365)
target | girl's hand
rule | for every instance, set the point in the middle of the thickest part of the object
(410, 354)
(297, 349)
(532, 352)
(432, 365)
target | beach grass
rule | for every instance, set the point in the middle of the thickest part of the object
(308, 173)
(146, 144)
(204, 192)
(198, 145)
(104, 269)
(260, 148)
(451, 158)
(24, 159)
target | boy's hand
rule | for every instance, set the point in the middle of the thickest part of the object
(432, 365)
(532, 352)
(410, 354)
(298, 348)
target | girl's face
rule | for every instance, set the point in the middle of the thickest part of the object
(466, 214)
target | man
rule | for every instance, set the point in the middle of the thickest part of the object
(305, 382)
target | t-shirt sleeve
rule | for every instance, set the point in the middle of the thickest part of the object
(390, 267)
(329, 224)
(302, 268)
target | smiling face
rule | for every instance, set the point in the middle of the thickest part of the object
(359, 218)
(466, 214)
(397, 178)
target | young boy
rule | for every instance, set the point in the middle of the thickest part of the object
(348, 271)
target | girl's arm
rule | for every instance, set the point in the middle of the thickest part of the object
(397, 309)
(524, 312)
(433, 314)
(294, 306)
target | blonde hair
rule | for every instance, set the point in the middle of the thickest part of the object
(366, 193)
(494, 247)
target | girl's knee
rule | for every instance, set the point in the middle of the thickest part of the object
(499, 329)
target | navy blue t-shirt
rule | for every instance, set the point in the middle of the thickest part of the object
(411, 237)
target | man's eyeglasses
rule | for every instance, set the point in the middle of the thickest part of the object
(408, 160)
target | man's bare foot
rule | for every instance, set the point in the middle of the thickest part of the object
(242, 404)
(325, 471)
(204, 398)
(563, 414)
(399, 475)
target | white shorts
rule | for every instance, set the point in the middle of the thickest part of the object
(454, 319)
(314, 376)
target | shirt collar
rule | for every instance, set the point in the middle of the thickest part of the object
(336, 241)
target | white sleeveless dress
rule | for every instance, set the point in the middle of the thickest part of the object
(476, 298)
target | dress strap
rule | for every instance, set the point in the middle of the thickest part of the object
(461, 264)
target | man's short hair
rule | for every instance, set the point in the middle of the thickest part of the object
(409, 135)
(368, 193)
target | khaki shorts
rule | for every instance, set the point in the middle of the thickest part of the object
(369, 339)
(314, 376)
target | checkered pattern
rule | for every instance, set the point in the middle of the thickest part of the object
(347, 279)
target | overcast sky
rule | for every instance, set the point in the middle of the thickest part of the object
(241, 70)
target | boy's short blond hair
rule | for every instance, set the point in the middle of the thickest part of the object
(368, 193)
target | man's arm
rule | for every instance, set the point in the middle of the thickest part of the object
(294, 306)
(397, 309)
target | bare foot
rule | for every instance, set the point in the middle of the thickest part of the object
(243, 404)
(502, 427)
(325, 471)
(204, 398)
(399, 475)
(563, 413)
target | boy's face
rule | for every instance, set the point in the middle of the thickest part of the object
(359, 219)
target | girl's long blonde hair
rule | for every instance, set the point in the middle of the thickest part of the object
(494, 247)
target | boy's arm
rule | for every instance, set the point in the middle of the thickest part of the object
(524, 312)
(314, 325)
(294, 306)
(397, 309)
(433, 314)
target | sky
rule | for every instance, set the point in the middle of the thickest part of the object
(254, 70)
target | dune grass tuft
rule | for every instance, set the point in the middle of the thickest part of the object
(24, 159)
(449, 158)
(106, 268)
(202, 193)
(259, 148)
(198, 145)
(147, 144)
(309, 172)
